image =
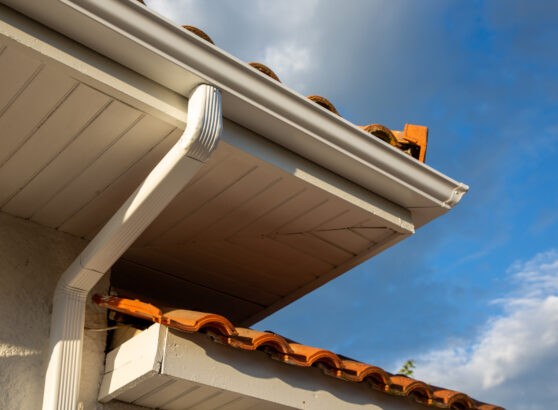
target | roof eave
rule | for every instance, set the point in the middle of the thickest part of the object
(155, 47)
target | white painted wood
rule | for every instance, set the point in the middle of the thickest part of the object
(213, 376)
(282, 254)
(320, 280)
(315, 247)
(149, 384)
(163, 51)
(353, 217)
(62, 127)
(96, 138)
(131, 363)
(261, 149)
(221, 399)
(91, 68)
(168, 218)
(232, 199)
(257, 224)
(173, 290)
(200, 194)
(193, 398)
(344, 238)
(253, 208)
(31, 108)
(241, 403)
(255, 263)
(16, 70)
(204, 269)
(284, 211)
(165, 393)
(89, 219)
(310, 221)
(142, 137)
(374, 234)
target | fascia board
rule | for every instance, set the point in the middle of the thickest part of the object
(192, 361)
(91, 68)
(137, 37)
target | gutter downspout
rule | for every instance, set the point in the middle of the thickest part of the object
(164, 182)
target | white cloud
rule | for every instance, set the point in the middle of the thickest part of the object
(174, 10)
(290, 62)
(514, 361)
(286, 12)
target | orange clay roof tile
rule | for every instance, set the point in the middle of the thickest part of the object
(131, 307)
(405, 386)
(309, 356)
(249, 339)
(323, 102)
(192, 321)
(358, 372)
(199, 33)
(484, 406)
(417, 150)
(264, 69)
(448, 398)
(279, 348)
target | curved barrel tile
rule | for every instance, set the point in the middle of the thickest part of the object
(447, 398)
(130, 307)
(358, 372)
(405, 386)
(249, 339)
(192, 321)
(265, 69)
(323, 102)
(222, 331)
(308, 356)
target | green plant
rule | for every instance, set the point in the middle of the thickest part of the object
(407, 368)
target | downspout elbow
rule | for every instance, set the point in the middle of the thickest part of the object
(163, 183)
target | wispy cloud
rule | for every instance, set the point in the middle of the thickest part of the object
(291, 60)
(482, 76)
(513, 362)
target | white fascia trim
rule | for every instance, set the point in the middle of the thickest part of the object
(164, 182)
(249, 97)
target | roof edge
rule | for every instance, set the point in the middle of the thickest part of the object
(328, 139)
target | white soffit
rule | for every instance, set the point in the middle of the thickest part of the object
(171, 370)
(140, 39)
(257, 228)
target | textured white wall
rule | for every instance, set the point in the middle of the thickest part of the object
(32, 258)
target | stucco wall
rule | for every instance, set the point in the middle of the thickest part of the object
(32, 257)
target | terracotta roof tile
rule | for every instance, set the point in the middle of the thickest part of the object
(279, 348)
(406, 386)
(382, 133)
(249, 339)
(307, 356)
(323, 102)
(448, 398)
(264, 69)
(414, 147)
(192, 321)
(484, 406)
(131, 307)
(359, 372)
(199, 33)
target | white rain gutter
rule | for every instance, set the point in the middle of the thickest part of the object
(164, 182)
(137, 37)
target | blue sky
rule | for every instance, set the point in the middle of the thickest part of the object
(473, 296)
